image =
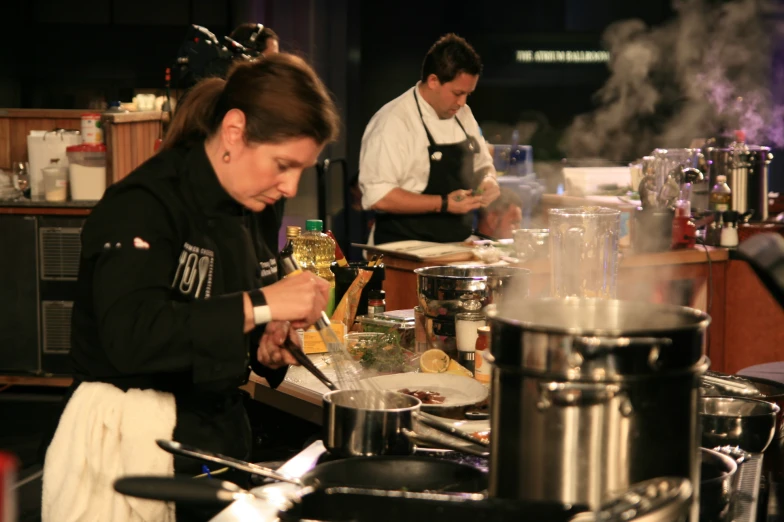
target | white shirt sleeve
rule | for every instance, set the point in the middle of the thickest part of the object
(383, 159)
(483, 159)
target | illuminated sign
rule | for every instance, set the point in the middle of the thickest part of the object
(573, 56)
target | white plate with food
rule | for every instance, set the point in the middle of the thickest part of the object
(435, 390)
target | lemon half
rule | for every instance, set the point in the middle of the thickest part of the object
(434, 361)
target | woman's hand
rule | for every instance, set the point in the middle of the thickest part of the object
(299, 299)
(271, 352)
(462, 202)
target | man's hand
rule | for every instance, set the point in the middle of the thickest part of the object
(488, 190)
(462, 202)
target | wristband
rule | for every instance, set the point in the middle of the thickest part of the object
(261, 311)
(444, 203)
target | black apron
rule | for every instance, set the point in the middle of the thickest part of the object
(451, 168)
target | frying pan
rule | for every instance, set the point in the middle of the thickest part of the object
(387, 473)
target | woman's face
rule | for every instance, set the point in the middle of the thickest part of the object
(260, 174)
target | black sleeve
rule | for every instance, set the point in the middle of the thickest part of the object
(135, 248)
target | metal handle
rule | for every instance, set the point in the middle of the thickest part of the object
(176, 448)
(437, 424)
(180, 489)
(575, 393)
(305, 361)
(590, 347)
(442, 441)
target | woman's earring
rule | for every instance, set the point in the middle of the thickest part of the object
(226, 157)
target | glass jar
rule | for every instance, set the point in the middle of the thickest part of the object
(482, 359)
(377, 303)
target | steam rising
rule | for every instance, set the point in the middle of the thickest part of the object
(705, 72)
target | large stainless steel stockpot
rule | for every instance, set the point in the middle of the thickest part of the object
(590, 396)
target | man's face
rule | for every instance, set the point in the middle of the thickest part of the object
(451, 96)
(508, 221)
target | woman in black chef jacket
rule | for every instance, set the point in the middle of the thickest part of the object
(178, 295)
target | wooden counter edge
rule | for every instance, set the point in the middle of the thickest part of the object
(695, 255)
(48, 211)
(132, 117)
(31, 380)
(46, 114)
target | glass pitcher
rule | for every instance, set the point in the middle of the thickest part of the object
(584, 252)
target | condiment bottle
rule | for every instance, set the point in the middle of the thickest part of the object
(482, 364)
(721, 195)
(376, 302)
(729, 234)
(466, 324)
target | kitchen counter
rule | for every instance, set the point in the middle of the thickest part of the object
(37, 207)
(744, 314)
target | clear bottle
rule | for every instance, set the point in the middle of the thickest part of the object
(721, 195)
(315, 252)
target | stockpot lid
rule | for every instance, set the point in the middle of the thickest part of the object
(596, 339)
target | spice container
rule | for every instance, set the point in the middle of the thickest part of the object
(376, 302)
(466, 324)
(55, 181)
(482, 360)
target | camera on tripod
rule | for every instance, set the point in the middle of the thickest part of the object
(202, 55)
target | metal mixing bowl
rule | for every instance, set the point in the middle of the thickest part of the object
(735, 421)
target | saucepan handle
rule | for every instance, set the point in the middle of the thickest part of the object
(444, 442)
(575, 393)
(177, 448)
(179, 489)
(592, 347)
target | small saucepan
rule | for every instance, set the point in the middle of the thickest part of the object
(717, 473)
(362, 423)
(737, 421)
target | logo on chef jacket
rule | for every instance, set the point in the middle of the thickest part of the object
(268, 268)
(194, 271)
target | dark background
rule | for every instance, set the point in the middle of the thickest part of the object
(72, 53)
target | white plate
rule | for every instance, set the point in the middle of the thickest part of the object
(458, 390)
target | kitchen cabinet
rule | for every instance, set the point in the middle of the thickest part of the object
(39, 262)
(19, 314)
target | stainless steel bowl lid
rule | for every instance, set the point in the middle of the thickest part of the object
(598, 317)
(443, 291)
(596, 339)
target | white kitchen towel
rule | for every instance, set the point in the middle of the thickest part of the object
(104, 434)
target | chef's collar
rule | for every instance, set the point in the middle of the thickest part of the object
(427, 110)
(208, 193)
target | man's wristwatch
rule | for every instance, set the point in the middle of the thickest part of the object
(261, 311)
(444, 203)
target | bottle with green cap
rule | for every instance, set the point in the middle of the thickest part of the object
(318, 253)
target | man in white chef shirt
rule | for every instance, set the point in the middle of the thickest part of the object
(424, 167)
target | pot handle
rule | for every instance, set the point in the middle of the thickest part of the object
(575, 393)
(590, 347)
(180, 489)
(177, 448)
(443, 442)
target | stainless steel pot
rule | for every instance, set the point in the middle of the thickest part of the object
(591, 396)
(364, 423)
(747, 176)
(441, 291)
